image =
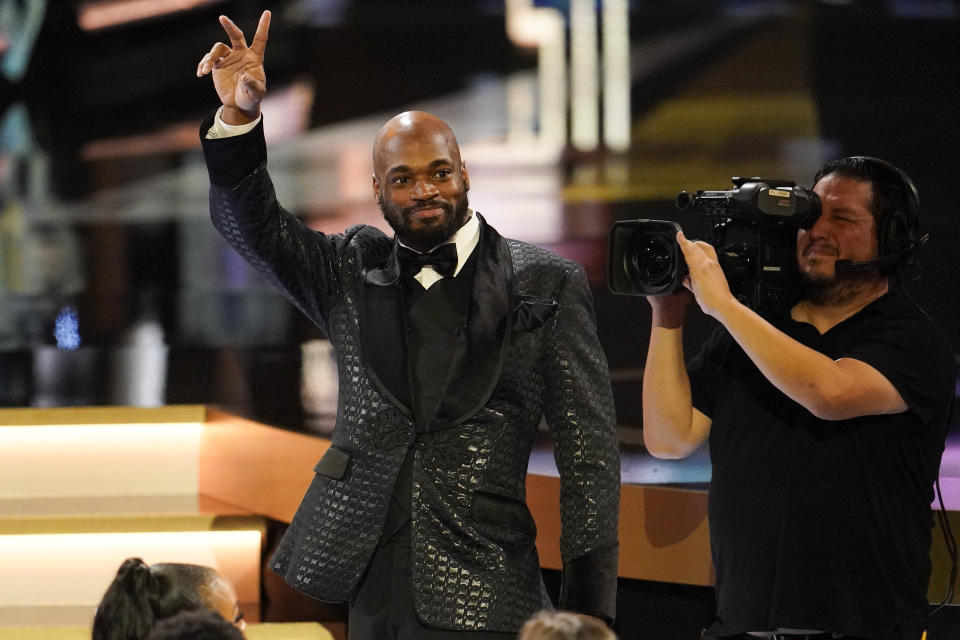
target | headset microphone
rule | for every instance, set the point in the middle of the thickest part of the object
(851, 266)
(883, 262)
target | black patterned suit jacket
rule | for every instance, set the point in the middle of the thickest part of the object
(529, 350)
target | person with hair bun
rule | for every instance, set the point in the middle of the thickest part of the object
(142, 594)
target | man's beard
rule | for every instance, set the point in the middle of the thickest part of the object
(429, 236)
(839, 289)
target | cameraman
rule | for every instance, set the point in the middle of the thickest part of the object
(826, 422)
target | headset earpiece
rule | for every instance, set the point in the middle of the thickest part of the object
(894, 236)
(898, 232)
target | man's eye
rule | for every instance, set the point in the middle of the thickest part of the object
(401, 180)
(443, 173)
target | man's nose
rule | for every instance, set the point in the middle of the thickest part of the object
(423, 190)
(819, 228)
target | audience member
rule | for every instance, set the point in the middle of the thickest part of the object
(564, 625)
(141, 594)
(201, 624)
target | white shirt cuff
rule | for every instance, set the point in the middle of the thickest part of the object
(220, 129)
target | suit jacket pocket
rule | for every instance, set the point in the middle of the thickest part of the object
(503, 519)
(531, 312)
(333, 463)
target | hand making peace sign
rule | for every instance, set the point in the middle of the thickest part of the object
(238, 74)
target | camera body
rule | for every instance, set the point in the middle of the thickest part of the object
(754, 231)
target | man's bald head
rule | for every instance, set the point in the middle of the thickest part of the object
(408, 127)
(419, 180)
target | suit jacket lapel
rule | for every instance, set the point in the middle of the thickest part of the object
(482, 346)
(383, 337)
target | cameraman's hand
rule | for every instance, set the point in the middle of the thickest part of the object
(669, 310)
(238, 74)
(706, 279)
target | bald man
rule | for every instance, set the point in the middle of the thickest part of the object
(452, 343)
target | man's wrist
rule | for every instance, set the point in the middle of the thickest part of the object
(727, 307)
(667, 318)
(237, 117)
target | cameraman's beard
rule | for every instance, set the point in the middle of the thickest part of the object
(839, 289)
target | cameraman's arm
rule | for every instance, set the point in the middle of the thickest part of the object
(672, 428)
(829, 389)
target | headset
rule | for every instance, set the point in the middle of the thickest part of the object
(898, 231)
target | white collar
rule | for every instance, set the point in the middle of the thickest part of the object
(466, 239)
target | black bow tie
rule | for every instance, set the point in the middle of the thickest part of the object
(443, 260)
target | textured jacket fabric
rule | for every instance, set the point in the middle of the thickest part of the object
(529, 350)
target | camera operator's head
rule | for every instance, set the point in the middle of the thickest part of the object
(895, 204)
(866, 232)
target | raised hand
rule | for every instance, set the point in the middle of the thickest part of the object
(706, 279)
(237, 69)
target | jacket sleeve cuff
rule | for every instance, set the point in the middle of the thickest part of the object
(589, 584)
(231, 159)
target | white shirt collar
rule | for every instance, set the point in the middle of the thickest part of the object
(466, 239)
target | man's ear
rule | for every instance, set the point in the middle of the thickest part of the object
(465, 176)
(376, 190)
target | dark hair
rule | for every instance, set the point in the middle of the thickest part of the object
(564, 625)
(202, 624)
(140, 595)
(892, 189)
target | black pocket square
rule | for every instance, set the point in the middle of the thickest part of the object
(530, 313)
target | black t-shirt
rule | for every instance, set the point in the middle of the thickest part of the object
(818, 524)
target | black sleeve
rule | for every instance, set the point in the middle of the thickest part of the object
(912, 353)
(303, 264)
(579, 410)
(231, 159)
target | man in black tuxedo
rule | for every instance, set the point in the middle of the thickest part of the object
(452, 343)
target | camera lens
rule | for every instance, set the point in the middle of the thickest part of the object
(644, 258)
(651, 259)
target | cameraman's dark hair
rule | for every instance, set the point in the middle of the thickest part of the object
(140, 595)
(564, 625)
(887, 186)
(202, 624)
